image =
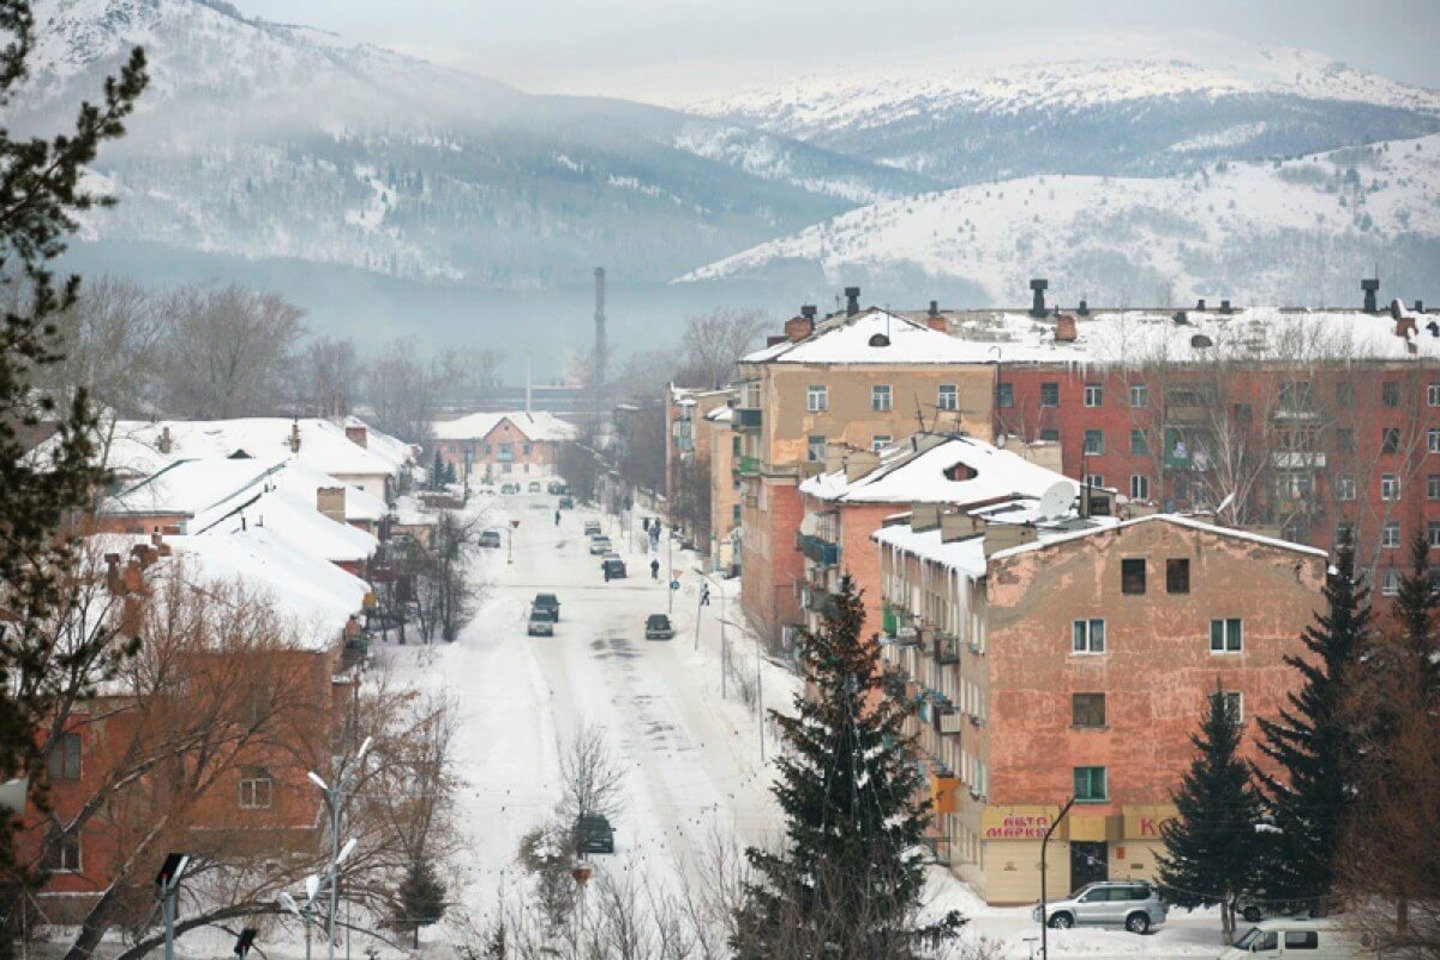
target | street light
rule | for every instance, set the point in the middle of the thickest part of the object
(168, 882)
(1044, 844)
(335, 802)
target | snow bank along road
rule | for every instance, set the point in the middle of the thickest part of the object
(692, 757)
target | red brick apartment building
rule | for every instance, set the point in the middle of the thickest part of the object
(1053, 657)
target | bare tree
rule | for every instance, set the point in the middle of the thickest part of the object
(591, 777)
(227, 352)
(447, 595)
(331, 377)
(713, 342)
(404, 392)
(111, 333)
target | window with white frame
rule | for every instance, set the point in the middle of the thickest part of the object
(947, 397)
(1432, 440)
(1139, 486)
(1390, 486)
(1139, 395)
(257, 788)
(1094, 394)
(1432, 394)
(1095, 479)
(815, 449)
(1432, 487)
(1087, 636)
(1390, 534)
(1094, 442)
(1390, 582)
(1234, 702)
(63, 759)
(817, 398)
(880, 397)
(1345, 487)
(1227, 636)
(880, 441)
(62, 853)
(1432, 533)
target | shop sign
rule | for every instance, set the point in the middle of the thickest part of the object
(1019, 827)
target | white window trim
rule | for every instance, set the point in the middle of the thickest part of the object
(817, 398)
(882, 398)
(1088, 624)
(1225, 636)
(1098, 391)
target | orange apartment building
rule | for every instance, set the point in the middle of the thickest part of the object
(1057, 655)
(491, 445)
(855, 381)
(699, 431)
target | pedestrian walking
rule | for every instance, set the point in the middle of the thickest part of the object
(704, 594)
(605, 569)
(655, 569)
(557, 518)
(645, 524)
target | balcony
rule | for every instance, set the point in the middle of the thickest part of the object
(746, 418)
(949, 722)
(947, 648)
(748, 466)
(823, 553)
(820, 602)
(1298, 459)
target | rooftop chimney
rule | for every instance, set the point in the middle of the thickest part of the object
(771, 341)
(330, 501)
(852, 301)
(294, 436)
(1225, 306)
(1419, 306)
(1084, 310)
(1371, 286)
(165, 439)
(1200, 304)
(798, 328)
(934, 308)
(808, 311)
(1037, 308)
(358, 435)
(1065, 329)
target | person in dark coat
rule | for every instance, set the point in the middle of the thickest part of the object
(654, 569)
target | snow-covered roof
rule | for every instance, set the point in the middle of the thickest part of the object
(292, 518)
(410, 512)
(323, 445)
(916, 473)
(194, 488)
(538, 425)
(305, 482)
(1155, 336)
(1175, 518)
(723, 414)
(396, 451)
(966, 556)
(874, 337)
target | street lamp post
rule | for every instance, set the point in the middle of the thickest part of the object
(1044, 844)
(335, 802)
(168, 882)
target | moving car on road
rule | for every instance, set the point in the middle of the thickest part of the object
(1312, 940)
(613, 567)
(599, 545)
(490, 538)
(593, 834)
(592, 528)
(548, 602)
(542, 622)
(509, 488)
(566, 503)
(658, 627)
(1133, 904)
(534, 486)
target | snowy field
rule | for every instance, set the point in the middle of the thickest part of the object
(693, 755)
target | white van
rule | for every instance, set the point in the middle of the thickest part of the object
(1294, 939)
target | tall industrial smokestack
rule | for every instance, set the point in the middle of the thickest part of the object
(601, 348)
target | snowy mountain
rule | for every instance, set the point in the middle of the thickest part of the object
(1300, 232)
(1118, 105)
(266, 140)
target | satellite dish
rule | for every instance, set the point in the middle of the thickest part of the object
(1055, 502)
(312, 886)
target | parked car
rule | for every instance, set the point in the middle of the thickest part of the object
(592, 528)
(593, 834)
(509, 488)
(1254, 909)
(600, 545)
(542, 622)
(549, 602)
(566, 503)
(552, 488)
(490, 538)
(658, 627)
(534, 486)
(1133, 904)
(614, 566)
(1303, 939)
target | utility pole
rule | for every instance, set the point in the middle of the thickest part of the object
(1044, 845)
(168, 882)
(670, 570)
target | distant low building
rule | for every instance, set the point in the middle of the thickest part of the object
(501, 443)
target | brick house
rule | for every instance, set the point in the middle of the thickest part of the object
(496, 444)
(725, 539)
(856, 381)
(1059, 656)
(691, 425)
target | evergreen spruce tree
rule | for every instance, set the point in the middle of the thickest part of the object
(41, 191)
(421, 898)
(1211, 847)
(1314, 746)
(848, 880)
(1415, 610)
(437, 474)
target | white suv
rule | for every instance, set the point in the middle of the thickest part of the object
(1133, 904)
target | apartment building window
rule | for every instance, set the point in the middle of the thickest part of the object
(1390, 393)
(1050, 394)
(1139, 486)
(815, 449)
(735, 514)
(1094, 442)
(1087, 709)
(1139, 444)
(1005, 395)
(1390, 583)
(1390, 534)
(880, 441)
(64, 760)
(817, 399)
(947, 397)
(1087, 636)
(1234, 702)
(1345, 440)
(525, 448)
(1132, 576)
(1050, 435)
(1095, 479)
(880, 397)
(1242, 412)
(1344, 531)
(1139, 395)
(1432, 394)
(1295, 396)
(62, 853)
(1227, 636)
(1345, 487)
(1094, 394)
(1432, 532)
(735, 445)
(1090, 786)
(1432, 487)
(257, 788)
(1389, 486)
(1432, 439)
(1177, 575)
(1389, 439)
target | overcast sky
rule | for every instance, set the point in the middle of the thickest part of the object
(665, 50)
